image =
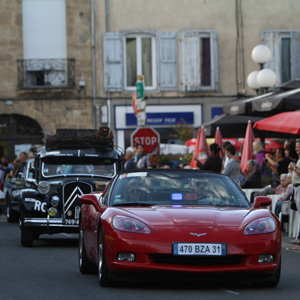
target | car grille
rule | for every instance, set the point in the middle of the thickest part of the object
(71, 192)
(198, 260)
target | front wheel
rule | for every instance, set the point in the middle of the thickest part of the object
(270, 281)
(103, 273)
(85, 266)
(11, 215)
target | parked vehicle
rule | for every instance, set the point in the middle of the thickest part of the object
(74, 162)
(180, 222)
(22, 179)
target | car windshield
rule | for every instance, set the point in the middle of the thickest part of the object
(172, 187)
(54, 166)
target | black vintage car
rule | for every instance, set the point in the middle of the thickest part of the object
(22, 179)
(74, 162)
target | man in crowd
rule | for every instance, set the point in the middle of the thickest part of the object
(232, 169)
(296, 183)
(142, 159)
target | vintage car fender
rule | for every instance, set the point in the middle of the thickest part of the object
(33, 201)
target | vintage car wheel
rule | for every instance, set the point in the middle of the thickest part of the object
(270, 281)
(26, 232)
(103, 274)
(11, 216)
(85, 266)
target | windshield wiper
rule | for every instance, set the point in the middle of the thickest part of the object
(133, 204)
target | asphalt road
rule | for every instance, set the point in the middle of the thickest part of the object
(49, 270)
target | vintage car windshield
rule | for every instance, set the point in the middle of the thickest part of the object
(53, 167)
(171, 187)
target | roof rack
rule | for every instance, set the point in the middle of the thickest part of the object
(63, 138)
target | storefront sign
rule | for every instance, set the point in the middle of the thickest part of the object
(154, 119)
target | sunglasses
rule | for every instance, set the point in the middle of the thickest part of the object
(134, 190)
(199, 183)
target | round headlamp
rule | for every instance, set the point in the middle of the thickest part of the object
(44, 187)
(54, 201)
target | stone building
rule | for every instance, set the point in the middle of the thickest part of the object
(74, 64)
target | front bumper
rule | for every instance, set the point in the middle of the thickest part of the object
(51, 222)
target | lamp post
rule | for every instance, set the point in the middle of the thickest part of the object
(265, 78)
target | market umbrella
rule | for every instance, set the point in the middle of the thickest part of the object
(247, 149)
(286, 122)
(230, 126)
(201, 149)
(218, 140)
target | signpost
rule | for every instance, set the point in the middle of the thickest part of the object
(147, 136)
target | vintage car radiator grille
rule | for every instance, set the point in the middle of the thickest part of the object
(71, 192)
(198, 260)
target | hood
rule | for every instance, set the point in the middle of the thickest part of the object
(210, 218)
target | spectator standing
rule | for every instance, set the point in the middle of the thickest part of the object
(225, 157)
(259, 151)
(213, 162)
(296, 183)
(278, 165)
(232, 168)
(129, 163)
(4, 170)
(253, 179)
(142, 159)
(23, 156)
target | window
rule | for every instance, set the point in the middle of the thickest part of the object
(284, 46)
(148, 53)
(198, 61)
(140, 58)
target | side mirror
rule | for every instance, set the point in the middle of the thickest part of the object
(90, 199)
(262, 201)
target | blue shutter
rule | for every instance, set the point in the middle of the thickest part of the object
(295, 54)
(189, 61)
(272, 40)
(214, 61)
(168, 61)
(113, 62)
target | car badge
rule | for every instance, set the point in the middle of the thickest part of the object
(197, 234)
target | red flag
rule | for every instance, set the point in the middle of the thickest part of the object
(218, 140)
(201, 149)
(247, 149)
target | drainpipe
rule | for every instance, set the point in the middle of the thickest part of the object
(108, 93)
(93, 63)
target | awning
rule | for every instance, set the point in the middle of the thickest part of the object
(268, 104)
(230, 126)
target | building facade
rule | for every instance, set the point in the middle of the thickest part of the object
(74, 64)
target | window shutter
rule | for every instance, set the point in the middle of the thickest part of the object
(295, 54)
(168, 61)
(113, 62)
(214, 61)
(189, 61)
(272, 40)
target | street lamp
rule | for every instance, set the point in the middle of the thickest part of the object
(265, 78)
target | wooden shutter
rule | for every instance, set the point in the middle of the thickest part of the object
(295, 54)
(214, 61)
(113, 62)
(168, 61)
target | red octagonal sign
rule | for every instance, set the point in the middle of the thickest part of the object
(148, 137)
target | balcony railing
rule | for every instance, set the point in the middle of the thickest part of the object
(46, 73)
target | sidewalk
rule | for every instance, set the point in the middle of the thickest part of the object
(287, 245)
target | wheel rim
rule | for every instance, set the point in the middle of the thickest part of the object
(100, 258)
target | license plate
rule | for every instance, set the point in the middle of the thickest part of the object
(218, 249)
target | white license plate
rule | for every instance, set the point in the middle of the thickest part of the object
(218, 249)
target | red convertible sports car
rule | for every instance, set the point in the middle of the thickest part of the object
(180, 221)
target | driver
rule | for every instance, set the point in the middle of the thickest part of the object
(135, 191)
(199, 185)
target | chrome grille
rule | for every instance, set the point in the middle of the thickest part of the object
(71, 192)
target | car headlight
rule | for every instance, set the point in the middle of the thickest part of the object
(130, 225)
(43, 187)
(54, 201)
(260, 226)
(15, 193)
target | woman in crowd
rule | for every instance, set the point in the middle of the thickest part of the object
(213, 162)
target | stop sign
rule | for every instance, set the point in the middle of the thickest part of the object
(148, 137)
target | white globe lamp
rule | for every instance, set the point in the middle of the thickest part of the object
(261, 54)
(252, 80)
(266, 78)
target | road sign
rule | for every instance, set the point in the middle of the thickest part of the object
(147, 136)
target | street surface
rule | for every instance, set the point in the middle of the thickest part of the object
(49, 270)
